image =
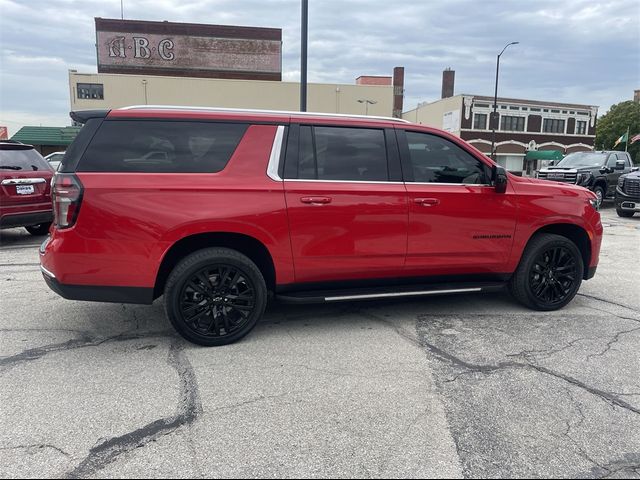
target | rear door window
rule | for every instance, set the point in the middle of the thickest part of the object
(162, 147)
(342, 154)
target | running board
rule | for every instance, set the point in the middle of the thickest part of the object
(380, 293)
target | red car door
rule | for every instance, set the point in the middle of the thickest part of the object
(346, 203)
(458, 223)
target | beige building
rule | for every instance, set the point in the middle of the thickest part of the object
(89, 91)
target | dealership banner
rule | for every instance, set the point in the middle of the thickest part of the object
(196, 50)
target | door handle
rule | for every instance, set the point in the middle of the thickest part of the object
(316, 200)
(427, 202)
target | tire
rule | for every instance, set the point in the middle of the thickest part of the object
(215, 296)
(600, 193)
(549, 287)
(624, 213)
(40, 229)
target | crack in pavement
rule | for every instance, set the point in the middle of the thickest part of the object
(488, 369)
(188, 410)
(31, 448)
(607, 301)
(610, 343)
(85, 340)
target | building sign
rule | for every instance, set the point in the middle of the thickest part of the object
(451, 121)
(4, 133)
(194, 50)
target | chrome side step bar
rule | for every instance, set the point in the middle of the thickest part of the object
(400, 294)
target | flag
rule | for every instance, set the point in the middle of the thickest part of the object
(622, 139)
(635, 138)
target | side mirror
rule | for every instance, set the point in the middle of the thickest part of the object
(499, 178)
(635, 169)
(620, 165)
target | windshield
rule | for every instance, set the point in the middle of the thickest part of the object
(21, 159)
(583, 159)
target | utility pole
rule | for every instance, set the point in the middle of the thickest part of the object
(303, 55)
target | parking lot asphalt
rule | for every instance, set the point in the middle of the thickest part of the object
(473, 385)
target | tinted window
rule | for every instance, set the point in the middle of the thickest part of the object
(90, 91)
(336, 153)
(583, 159)
(437, 160)
(161, 147)
(22, 160)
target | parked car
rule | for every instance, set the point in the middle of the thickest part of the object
(597, 171)
(54, 159)
(247, 205)
(628, 194)
(25, 188)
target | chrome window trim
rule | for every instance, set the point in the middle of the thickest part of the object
(451, 184)
(276, 153)
(23, 181)
(341, 181)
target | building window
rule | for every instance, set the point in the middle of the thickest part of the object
(552, 125)
(512, 124)
(90, 91)
(480, 121)
(482, 105)
(533, 109)
(514, 108)
(581, 127)
(525, 108)
(554, 111)
(503, 107)
(583, 113)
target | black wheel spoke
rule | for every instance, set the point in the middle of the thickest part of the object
(553, 275)
(222, 292)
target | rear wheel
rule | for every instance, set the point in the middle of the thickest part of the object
(624, 213)
(215, 296)
(549, 274)
(40, 229)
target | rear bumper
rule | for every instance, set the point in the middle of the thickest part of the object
(93, 293)
(26, 219)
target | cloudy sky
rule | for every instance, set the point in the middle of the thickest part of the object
(570, 50)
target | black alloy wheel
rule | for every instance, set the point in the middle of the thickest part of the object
(217, 300)
(549, 274)
(553, 275)
(215, 296)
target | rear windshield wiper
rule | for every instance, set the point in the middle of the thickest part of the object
(10, 167)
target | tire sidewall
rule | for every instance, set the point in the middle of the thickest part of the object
(598, 188)
(556, 242)
(187, 268)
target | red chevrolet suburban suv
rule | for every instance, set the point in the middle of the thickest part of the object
(218, 210)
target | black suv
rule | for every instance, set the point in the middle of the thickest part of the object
(597, 171)
(628, 194)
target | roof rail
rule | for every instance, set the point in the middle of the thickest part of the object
(257, 111)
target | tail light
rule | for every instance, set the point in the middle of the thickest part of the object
(67, 197)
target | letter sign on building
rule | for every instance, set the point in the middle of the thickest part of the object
(193, 50)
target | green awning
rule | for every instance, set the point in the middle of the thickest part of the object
(60, 136)
(544, 155)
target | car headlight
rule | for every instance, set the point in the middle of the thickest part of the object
(621, 183)
(583, 178)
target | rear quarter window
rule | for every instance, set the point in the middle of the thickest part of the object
(161, 147)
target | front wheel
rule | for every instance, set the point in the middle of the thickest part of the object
(549, 274)
(40, 229)
(599, 191)
(215, 296)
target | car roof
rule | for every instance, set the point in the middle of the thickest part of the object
(266, 116)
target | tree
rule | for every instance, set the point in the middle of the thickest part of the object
(614, 124)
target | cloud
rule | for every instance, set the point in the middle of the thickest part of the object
(576, 51)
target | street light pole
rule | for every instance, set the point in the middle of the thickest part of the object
(303, 55)
(367, 102)
(494, 119)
